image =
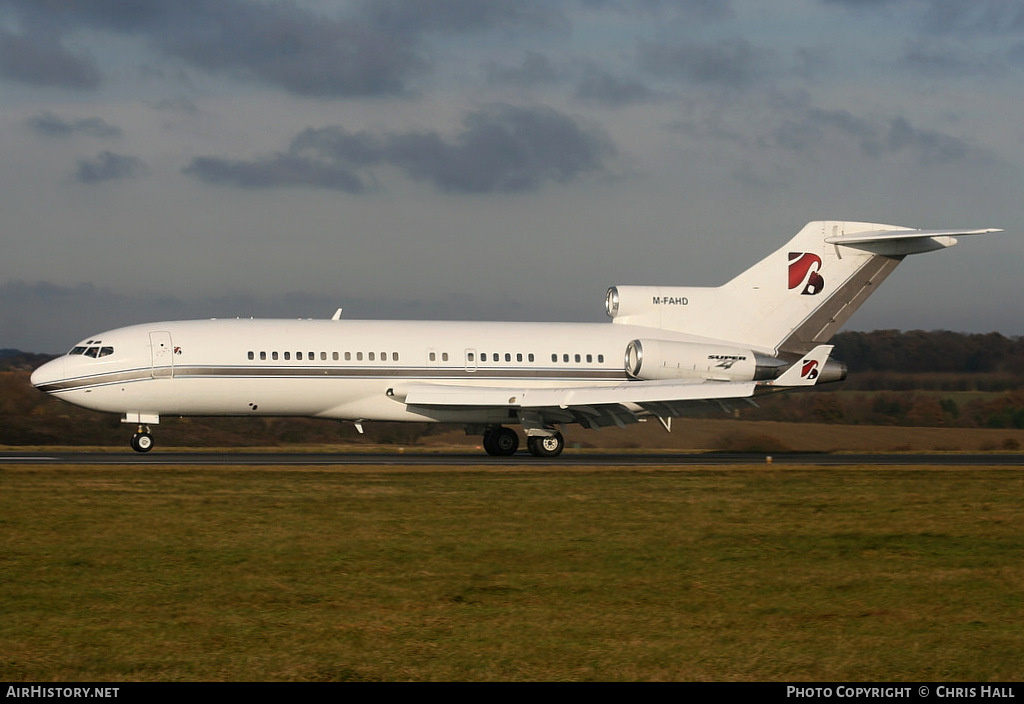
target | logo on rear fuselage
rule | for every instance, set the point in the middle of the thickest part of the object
(727, 360)
(803, 271)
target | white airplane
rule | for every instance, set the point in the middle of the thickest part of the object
(665, 349)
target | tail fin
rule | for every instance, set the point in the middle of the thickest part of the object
(794, 299)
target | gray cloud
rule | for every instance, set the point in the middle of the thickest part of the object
(462, 16)
(108, 166)
(732, 63)
(373, 49)
(873, 137)
(501, 149)
(949, 16)
(46, 123)
(536, 69)
(279, 170)
(601, 87)
(40, 60)
(303, 52)
(695, 10)
(977, 16)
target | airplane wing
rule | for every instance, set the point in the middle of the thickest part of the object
(614, 404)
(591, 406)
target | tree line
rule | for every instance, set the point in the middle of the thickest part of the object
(912, 378)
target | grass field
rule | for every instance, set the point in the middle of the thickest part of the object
(746, 573)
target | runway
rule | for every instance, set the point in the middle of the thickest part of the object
(523, 460)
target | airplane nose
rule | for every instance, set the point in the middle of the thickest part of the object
(49, 373)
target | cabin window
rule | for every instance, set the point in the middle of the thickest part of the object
(359, 356)
(252, 355)
(383, 356)
(519, 357)
(444, 356)
(469, 357)
(565, 358)
(554, 358)
(600, 358)
(263, 355)
(394, 356)
(273, 355)
(335, 356)
(432, 356)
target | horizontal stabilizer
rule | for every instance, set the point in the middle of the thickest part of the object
(897, 243)
(808, 370)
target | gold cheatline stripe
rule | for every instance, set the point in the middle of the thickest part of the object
(331, 372)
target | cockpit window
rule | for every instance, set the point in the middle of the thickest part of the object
(92, 351)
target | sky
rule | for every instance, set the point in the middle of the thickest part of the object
(492, 159)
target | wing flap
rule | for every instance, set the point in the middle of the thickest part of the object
(581, 398)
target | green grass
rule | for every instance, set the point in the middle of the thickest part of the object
(236, 573)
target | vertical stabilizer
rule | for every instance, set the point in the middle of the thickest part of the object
(792, 300)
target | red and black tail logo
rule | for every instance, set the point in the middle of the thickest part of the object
(803, 271)
(809, 370)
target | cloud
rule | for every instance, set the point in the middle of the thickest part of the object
(46, 123)
(874, 137)
(501, 149)
(976, 17)
(732, 63)
(108, 166)
(536, 69)
(40, 60)
(368, 49)
(950, 16)
(603, 88)
(304, 52)
(462, 16)
(279, 170)
(694, 10)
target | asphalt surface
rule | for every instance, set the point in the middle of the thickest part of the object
(567, 459)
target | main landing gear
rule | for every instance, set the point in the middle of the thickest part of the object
(500, 441)
(142, 441)
(545, 445)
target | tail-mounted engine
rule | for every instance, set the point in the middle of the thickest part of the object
(664, 359)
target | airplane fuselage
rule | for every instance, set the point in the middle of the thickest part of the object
(339, 369)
